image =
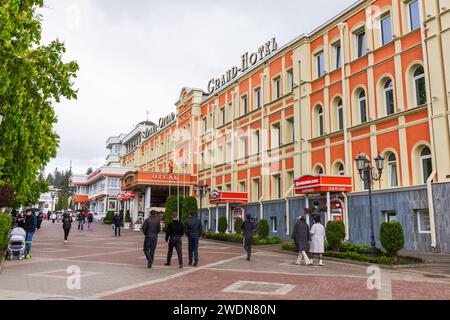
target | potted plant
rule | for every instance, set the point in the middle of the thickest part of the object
(138, 224)
(127, 221)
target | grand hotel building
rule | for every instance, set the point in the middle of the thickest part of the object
(373, 80)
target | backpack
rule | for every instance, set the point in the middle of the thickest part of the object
(67, 223)
(90, 218)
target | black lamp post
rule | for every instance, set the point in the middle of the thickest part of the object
(201, 192)
(368, 174)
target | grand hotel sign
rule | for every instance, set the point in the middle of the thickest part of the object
(248, 60)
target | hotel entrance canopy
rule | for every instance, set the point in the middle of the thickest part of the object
(310, 184)
(133, 180)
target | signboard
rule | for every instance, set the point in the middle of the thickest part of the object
(163, 122)
(238, 212)
(318, 184)
(216, 197)
(247, 60)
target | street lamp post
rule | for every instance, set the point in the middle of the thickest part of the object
(369, 174)
(201, 192)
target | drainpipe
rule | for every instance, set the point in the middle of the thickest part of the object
(288, 219)
(345, 102)
(431, 209)
(264, 150)
(346, 224)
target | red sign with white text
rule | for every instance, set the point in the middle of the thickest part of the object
(227, 197)
(318, 184)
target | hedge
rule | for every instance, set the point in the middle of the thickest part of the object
(5, 228)
(109, 218)
(238, 238)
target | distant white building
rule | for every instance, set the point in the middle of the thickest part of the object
(48, 200)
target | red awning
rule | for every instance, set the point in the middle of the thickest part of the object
(318, 184)
(217, 197)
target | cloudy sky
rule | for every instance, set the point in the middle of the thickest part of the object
(136, 55)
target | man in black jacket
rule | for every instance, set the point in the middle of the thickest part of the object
(174, 232)
(193, 230)
(248, 229)
(117, 224)
(30, 227)
(151, 228)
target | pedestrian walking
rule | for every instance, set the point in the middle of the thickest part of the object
(30, 227)
(117, 224)
(40, 217)
(248, 229)
(151, 229)
(67, 225)
(193, 231)
(80, 219)
(53, 217)
(90, 220)
(174, 233)
(317, 240)
(301, 238)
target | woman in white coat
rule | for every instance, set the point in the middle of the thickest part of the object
(317, 240)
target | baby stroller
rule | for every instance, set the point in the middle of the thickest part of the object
(16, 247)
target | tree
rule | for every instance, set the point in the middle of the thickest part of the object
(32, 78)
(335, 232)
(63, 201)
(238, 225)
(171, 207)
(392, 238)
(263, 229)
(89, 171)
(189, 206)
(7, 197)
(223, 225)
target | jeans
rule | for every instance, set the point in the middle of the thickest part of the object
(193, 241)
(150, 247)
(117, 231)
(28, 241)
(90, 226)
(248, 246)
(80, 225)
(175, 242)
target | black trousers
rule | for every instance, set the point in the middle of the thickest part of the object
(117, 231)
(66, 234)
(175, 242)
(248, 246)
(150, 246)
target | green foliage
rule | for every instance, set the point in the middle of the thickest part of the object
(335, 232)
(238, 238)
(263, 229)
(109, 218)
(262, 242)
(171, 207)
(274, 240)
(348, 247)
(5, 227)
(63, 201)
(223, 224)
(32, 78)
(127, 216)
(189, 205)
(289, 246)
(238, 225)
(392, 238)
(7, 196)
(60, 179)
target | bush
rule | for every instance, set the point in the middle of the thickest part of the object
(127, 216)
(335, 232)
(289, 246)
(189, 205)
(223, 224)
(263, 229)
(348, 247)
(5, 228)
(171, 207)
(392, 238)
(235, 238)
(262, 242)
(238, 225)
(274, 240)
(108, 219)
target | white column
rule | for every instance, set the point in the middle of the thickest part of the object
(217, 219)
(307, 207)
(148, 199)
(328, 207)
(228, 217)
(134, 207)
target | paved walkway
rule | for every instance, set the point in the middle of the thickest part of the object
(115, 268)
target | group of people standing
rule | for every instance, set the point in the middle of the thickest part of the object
(174, 233)
(312, 240)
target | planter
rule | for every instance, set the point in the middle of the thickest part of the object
(126, 225)
(137, 227)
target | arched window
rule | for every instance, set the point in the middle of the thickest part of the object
(320, 171)
(341, 170)
(392, 171)
(320, 128)
(420, 92)
(362, 103)
(425, 164)
(389, 97)
(340, 115)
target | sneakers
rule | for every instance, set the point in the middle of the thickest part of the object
(167, 264)
(149, 265)
(65, 241)
(320, 263)
(28, 257)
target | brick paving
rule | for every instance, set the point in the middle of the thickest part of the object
(115, 269)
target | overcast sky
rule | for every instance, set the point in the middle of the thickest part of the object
(137, 55)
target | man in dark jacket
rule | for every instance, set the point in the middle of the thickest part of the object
(40, 217)
(151, 228)
(174, 232)
(30, 227)
(117, 224)
(301, 237)
(248, 229)
(81, 220)
(193, 230)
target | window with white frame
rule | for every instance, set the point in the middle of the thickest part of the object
(320, 122)
(414, 15)
(360, 43)
(230, 112)
(257, 98)
(362, 102)
(340, 115)
(392, 171)
(242, 186)
(426, 164)
(276, 186)
(243, 147)
(420, 92)
(274, 224)
(423, 221)
(337, 55)
(390, 216)
(219, 155)
(275, 136)
(255, 190)
(244, 104)
(223, 116)
(320, 64)
(341, 170)
(205, 125)
(290, 181)
(386, 29)
(277, 88)
(255, 142)
(290, 77)
(228, 152)
(228, 187)
(290, 129)
(388, 90)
